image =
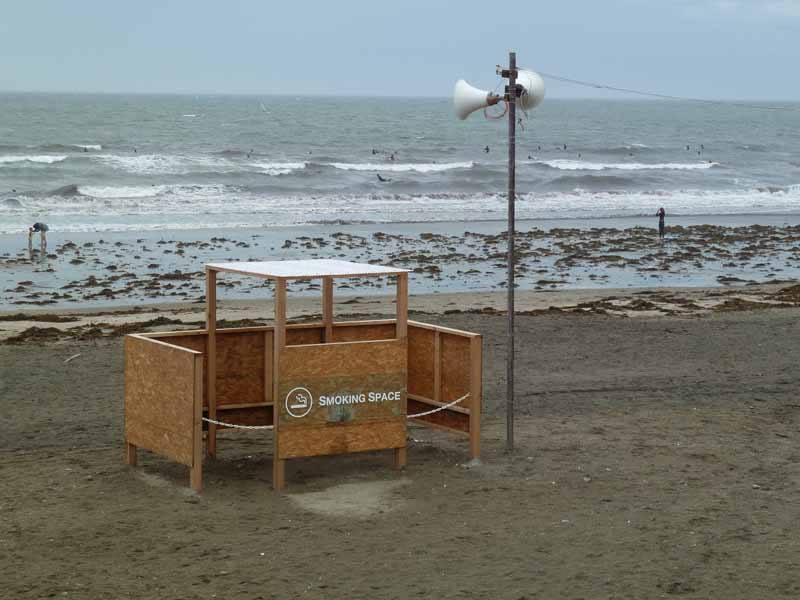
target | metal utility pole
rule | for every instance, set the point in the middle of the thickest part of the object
(526, 88)
(511, 99)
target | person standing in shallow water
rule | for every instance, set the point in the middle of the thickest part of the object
(42, 230)
(661, 214)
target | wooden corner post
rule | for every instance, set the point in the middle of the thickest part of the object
(401, 333)
(279, 344)
(130, 454)
(327, 308)
(402, 306)
(476, 395)
(196, 470)
(211, 352)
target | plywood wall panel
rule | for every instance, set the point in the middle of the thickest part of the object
(359, 333)
(420, 361)
(350, 369)
(456, 368)
(240, 368)
(326, 360)
(191, 341)
(304, 335)
(160, 386)
(341, 439)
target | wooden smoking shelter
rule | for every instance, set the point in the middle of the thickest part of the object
(322, 388)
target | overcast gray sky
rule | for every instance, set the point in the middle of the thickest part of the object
(742, 49)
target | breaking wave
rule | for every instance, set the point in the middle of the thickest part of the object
(163, 164)
(179, 194)
(274, 168)
(564, 164)
(70, 147)
(398, 167)
(40, 158)
(102, 208)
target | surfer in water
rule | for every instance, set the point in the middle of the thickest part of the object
(486, 149)
(383, 179)
(661, 214)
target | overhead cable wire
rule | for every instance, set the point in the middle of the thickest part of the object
(602, 86)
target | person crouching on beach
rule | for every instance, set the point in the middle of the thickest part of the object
(661, 214)
(42, 230)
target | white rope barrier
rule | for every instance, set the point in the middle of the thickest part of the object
(224, 424)
(422, 414)
(438, 408)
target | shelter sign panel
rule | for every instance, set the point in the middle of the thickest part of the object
(345, 393)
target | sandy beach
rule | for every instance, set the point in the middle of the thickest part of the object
(256, 266)
(655, 457)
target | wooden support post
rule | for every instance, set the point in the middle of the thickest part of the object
(511, 102)
(269, 367)
(327, 308)
(278, 474)
(401, 331)
(475, 395)
(130, 454)
(399, 458)
(437, 366)
(211, 351)
(279, 343)
(196, 470)
(196, 477)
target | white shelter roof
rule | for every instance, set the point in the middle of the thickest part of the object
(304, 269)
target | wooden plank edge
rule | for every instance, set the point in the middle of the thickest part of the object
(442, 329)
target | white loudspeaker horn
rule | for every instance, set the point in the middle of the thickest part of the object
(532, 89)
(467, 99)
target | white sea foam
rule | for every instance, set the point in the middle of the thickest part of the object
(274, 168)
(156, 198)
(122, 191)
(153, 164)
(581, 203)
(564, 164)
(41, 158)
(397, 167)
(202, 206)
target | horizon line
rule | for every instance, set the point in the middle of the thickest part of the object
(621, 96)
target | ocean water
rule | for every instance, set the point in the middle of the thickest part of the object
(96, 163)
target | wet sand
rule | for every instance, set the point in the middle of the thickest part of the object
(656, 457)
(145, 268)
(20, 326)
